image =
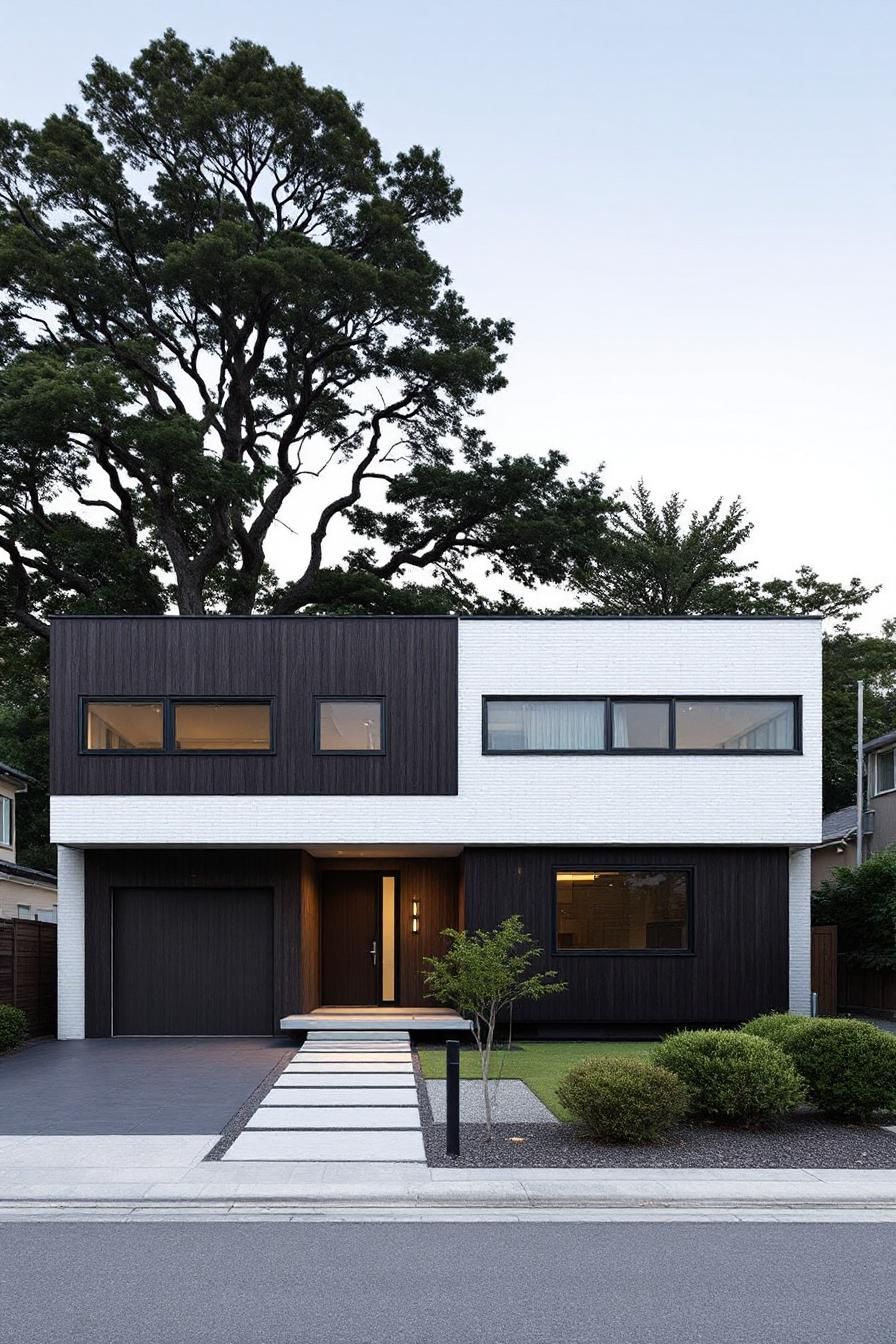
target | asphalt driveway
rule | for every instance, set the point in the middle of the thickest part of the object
(147, 1086)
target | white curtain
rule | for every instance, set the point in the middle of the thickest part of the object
(562, 725)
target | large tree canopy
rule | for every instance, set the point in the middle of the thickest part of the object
(216, 297)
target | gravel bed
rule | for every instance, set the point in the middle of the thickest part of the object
(802, 1142)
(512, 1101)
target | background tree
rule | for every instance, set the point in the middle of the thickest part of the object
(216, 298)
(862, 903)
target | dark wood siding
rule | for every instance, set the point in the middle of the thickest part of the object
(156, 870)
(739, 965)
(411, 662)
(192, 962)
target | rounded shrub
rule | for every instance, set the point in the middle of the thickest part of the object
(849, 1067)
(731, 1076)
(13, 1027)
(623, 1100)
(775, 1027)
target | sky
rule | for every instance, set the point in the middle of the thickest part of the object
(687, 208)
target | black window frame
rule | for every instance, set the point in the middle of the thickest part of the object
(331, 752)
(168, 703)
(687, 870)
(609, 749)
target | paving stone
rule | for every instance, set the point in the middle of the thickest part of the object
(358, 1036)
(341, 1096)
(327, 1146)
(337, 1079)
(359, 1066)
(335, 1117)
(353, 1057)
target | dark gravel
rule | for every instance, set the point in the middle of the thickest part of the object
(802, 1142)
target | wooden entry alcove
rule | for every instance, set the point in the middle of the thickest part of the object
(433, 883)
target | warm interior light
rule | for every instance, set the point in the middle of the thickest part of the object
(415, 916)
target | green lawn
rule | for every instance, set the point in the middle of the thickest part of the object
(540, 1064)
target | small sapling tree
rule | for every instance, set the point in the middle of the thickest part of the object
(484, 973)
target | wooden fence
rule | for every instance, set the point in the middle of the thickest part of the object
(824, 968)
(28, 971)
(863, 991)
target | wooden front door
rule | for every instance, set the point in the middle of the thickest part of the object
(350, 920)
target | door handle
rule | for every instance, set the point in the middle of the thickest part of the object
(373, 951)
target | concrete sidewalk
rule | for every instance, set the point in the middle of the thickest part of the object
(152, 1171)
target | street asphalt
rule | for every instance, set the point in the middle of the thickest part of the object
(213, 1283)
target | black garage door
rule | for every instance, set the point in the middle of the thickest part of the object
(192, 962)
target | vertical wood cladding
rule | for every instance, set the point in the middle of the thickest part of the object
(739, 965)
(278, 871)
(411, 662)
(436, 885)
(309, 975)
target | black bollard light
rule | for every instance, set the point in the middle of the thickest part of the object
(452, 1098)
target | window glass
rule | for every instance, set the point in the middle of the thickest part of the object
(643, 724)
(545, 725)
(886, 771)
(350, 725)
(734, 725)
(227, 726)
(123, 725)
(622, 911)
(23, 912)
(6, 822)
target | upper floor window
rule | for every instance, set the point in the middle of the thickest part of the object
(735, 725)
(349, 725)
(170, 725)
(124, 725)
(6, 806)
(225, 725)
(622, 910)
(575, 724)
(651, 724)
(885, 771)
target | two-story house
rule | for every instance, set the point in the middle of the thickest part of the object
(25, 893)
(257, 817)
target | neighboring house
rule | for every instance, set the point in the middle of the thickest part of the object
(258, 816)
(838, 829)
(880, 765)
(25, 893)
(838, 845)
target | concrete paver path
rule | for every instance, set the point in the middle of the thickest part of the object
(340, 1099)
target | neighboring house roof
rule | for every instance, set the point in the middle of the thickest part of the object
(839, 825)
(17, 776)
(885, 740)
(27, 874)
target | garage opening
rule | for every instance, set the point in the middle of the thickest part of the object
(192, 962)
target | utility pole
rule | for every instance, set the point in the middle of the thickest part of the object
(860, 764)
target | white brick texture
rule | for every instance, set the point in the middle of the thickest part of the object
(70, 944)
(801, 931)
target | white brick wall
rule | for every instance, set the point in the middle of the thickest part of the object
(70, 944)
(771, 800)
(801, 931)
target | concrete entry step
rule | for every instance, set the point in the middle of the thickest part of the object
(310, 1097)
(314, 1037)
(307, 1078)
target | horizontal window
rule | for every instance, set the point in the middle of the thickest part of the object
(545, 725)
(641, 725)
(885, 771)
(650, 724)
(735, 725)
(623, 910)
(124, 725)
(173, 726)
(347, 725)
(227, 725)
